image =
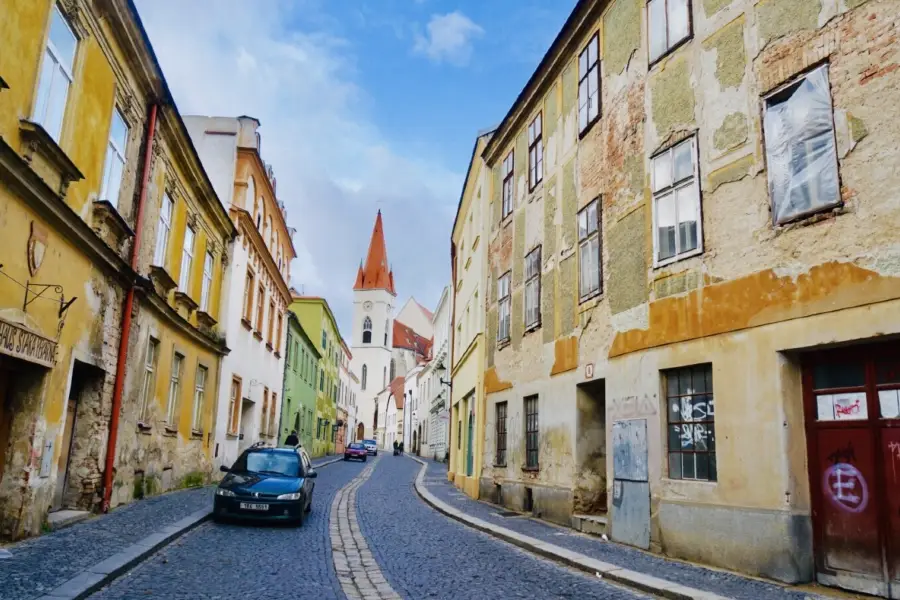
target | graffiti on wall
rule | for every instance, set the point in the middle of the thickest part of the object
(633, 406)
(846, 487)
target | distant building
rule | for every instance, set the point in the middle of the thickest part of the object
(298, 407)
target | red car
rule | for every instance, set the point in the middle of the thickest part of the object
(357, 451)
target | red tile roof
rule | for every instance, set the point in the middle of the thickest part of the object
(398, 391)
(427, 312)
(405, 337)
(376, 275)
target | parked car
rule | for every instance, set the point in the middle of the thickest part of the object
(266, 483)
(371, 447)
(356, 451)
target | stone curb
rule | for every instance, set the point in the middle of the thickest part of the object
(626, 577)
(104, 572)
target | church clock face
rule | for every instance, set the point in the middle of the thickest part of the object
(367, 306)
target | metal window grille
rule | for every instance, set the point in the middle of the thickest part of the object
(531, 432)
(690, 406)
(501, 433)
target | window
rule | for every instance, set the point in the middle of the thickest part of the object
(248, 295)
(386, 325)
(393, 369)
(279, 323)
(115, 159)
(56, 75)
(207, 282)
(365, 373)
(264, 422)
(533, 288)
(187, 259)
(147, 384)
(260, 309)
(670, 24)
(531, 432)
(800, 148)
(503, 311)
(322, 380)
(318, 427)
(269, 338)
(676, 202)
(535, 153)
(589, 84)
(234, 405)
(500, 460)
(273, 410)
(162, 231)
(691, 423)
(199, 397)
(508, 183)
(591, 264)
(324, 340)
(174, 389)
(459, 435)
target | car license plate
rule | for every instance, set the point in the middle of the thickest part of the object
(252, 506)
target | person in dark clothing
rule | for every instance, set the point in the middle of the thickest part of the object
(292, 439)
(401, 447)
(396, 448)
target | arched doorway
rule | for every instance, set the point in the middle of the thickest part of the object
(360, 432)
(415, 447)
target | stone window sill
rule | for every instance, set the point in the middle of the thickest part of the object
(144, 428)
(197, 434)
(269, 346)
(531, 469)
(170, 431)
(257, 335)
(500, 466)
(246, 324)
(532, 328)
(231, 436)
(278, 355)
(501, 344)
(591, 300)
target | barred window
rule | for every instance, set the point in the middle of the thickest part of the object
(533, 288)
(531, 432)
(691, 423)
(508, 182)
(501, 434)
(503, 310)
(591, 264)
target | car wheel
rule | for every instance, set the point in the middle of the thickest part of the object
(345, 458)
(365, 458)
(309, 506)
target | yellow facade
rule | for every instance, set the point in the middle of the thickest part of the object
(67, 245)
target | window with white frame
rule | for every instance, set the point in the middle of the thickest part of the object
(535, 152)
(115, 159)
(589, 244)
(801, 157)
(149, 380)
(508, 183)
(207, 282)
(676, 202)
(503, 308)
(533, 288)
(669, 23)
(174, 389)
(56, 74)
(199, 397)
(162, 231)
(589, 84)
(187, 259)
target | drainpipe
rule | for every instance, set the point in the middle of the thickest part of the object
(126, 317)
(450, 421)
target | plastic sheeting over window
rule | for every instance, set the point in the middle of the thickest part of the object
(800, 149)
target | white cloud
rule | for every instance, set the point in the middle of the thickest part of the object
(334, 167)
(449, 38)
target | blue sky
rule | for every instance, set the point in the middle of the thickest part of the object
(364, 104)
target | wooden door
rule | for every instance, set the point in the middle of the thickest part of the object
(62, 466)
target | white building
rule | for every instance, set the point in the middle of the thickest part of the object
(435, 392)
(412, 431)
(383, 347)
(348, 388)
(255, 293)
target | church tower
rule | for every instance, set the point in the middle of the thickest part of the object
(373, 319)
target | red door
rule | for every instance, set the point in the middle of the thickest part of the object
(852, 403)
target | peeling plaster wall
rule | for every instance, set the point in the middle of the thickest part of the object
(752, 294)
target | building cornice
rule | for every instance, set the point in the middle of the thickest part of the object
(165, 310)
(261, 173)
(34, 191)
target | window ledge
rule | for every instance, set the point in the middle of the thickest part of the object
(3, 84)
(505, 221)
(531, 469)
(197, 434)
(257, 335)
(591, 300)
(205, 319)
(269, 346)
(170, 431)
(144, 428)
(162, 281)
(231, 436)
(677, 258)
(278, 355)
(662, 57)
(584, 132)
(825, 213)
(532, 328)
(501, 344)
(500, 466)
(107, 219)
(246, 324)
(691, 481)
(38, 140)
(183, 299)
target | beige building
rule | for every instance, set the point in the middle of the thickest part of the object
(694, 232)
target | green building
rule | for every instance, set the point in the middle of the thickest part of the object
(301, 380)
(317, 320)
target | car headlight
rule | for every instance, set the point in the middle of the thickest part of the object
(294, 496)
(224, 492)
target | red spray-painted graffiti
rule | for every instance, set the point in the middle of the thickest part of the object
(846, 487)
(850, 409)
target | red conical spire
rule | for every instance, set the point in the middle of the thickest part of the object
(375, 274)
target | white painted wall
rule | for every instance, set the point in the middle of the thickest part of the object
(412, 315)
(437, 395)
(412, 411)
(375, 357)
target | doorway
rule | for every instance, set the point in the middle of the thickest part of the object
(6, 414)
(244, 440)
(85, 398)
(590, 496)
(852, 409)
(360, 432)
(470, 455)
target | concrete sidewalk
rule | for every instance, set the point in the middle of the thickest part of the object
(75, 561)
(624, 564)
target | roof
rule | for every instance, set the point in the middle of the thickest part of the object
(405, 337)
(398, 391)
(376, 275)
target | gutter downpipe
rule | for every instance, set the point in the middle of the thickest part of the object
(126, 317)
(450, 440)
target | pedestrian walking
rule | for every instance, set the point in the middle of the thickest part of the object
(292, 439)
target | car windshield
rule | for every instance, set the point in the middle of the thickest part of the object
(356, 447)
(272, 463)
(369, 442)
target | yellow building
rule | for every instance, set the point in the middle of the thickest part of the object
(83, 92)
(467, 415)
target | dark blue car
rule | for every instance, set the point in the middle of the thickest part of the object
(266, 484)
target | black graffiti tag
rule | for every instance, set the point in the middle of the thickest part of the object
(844, 455)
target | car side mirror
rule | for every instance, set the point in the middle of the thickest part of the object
(224, 469)
(312, 474)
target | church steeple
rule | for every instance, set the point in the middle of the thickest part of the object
(376, 274)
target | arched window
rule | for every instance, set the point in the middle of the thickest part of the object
(250, 199)
(367, 332)
(393, 369)
(365, 372)
(386, 324)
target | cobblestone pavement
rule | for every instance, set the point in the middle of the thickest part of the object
(246, 560)
(40, 564)
(356, 569)
(725, 584)
(424, 554)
